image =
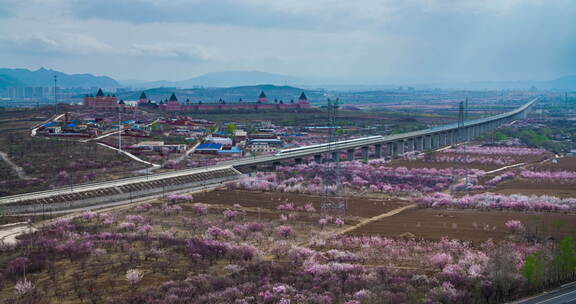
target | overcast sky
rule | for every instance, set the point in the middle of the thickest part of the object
(357, 41)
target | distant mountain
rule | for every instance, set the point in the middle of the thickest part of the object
(226, 79)
(231, 94)
(45, 78)
(9, 81)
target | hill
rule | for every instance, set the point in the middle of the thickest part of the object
(45, 78)
(226, 79)
(232, 94)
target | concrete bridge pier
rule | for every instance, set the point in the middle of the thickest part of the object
(336, 156)
(419, 143)
(378, 150)
(390, 149)
(427, 142)
(435, 141)
(318, 158)
(350, 154)
(442, 139)
(399, 147)
(448, 138)
(410, 144)
(455, 138)
(462, 135)
(365, 154)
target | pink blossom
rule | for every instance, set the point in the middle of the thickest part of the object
(514, 226)
(285, 231)
(440, 259)
(127, 225)
(88, 215)
(23, 287)
(145, 228)
(133, 276)
(200, 209)
(231, 214)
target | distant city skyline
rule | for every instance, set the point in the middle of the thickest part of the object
(366, 41)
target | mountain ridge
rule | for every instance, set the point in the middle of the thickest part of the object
(45, 78)
(226, 79)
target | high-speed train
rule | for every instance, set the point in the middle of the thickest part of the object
(325, 145)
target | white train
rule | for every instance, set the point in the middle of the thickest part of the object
(300, 149)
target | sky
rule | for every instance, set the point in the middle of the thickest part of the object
(360, 41)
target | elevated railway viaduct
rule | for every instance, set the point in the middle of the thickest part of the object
(93, 194)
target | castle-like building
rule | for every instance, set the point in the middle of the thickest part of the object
(110, 102)
(262, 103)
(105, 102)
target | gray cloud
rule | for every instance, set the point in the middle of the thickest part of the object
(228, 12)
(355, 41)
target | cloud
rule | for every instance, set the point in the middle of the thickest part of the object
(361, 41)
(61, 43)
(188, 51)
(223, 12)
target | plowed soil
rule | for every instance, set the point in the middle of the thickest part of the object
(563, 164)
(536, 187)
(485, 167)
(559, 188)
(440, 165)
(363, 207)
(473, 225)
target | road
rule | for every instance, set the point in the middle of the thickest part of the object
(17, 169)
(132, 156)
(8, 233)
(35, 128)
(564, 295)
(113, 132)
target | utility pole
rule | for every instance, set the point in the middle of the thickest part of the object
(462, 137)
(56, 92)
(337, 202)
(119, 130)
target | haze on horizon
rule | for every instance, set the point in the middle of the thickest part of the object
(364, 41)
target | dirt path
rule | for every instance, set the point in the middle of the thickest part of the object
(375, 218)
(504, 168)
(9, 232)
(35, 128)
(17, 169)
(134, 157)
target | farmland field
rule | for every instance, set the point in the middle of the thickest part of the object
(472, 225)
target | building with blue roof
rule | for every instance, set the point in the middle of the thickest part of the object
(232, 151)
(210, 148)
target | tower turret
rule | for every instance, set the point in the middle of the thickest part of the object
(303, 100)
(143, 98)
(262, 98)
